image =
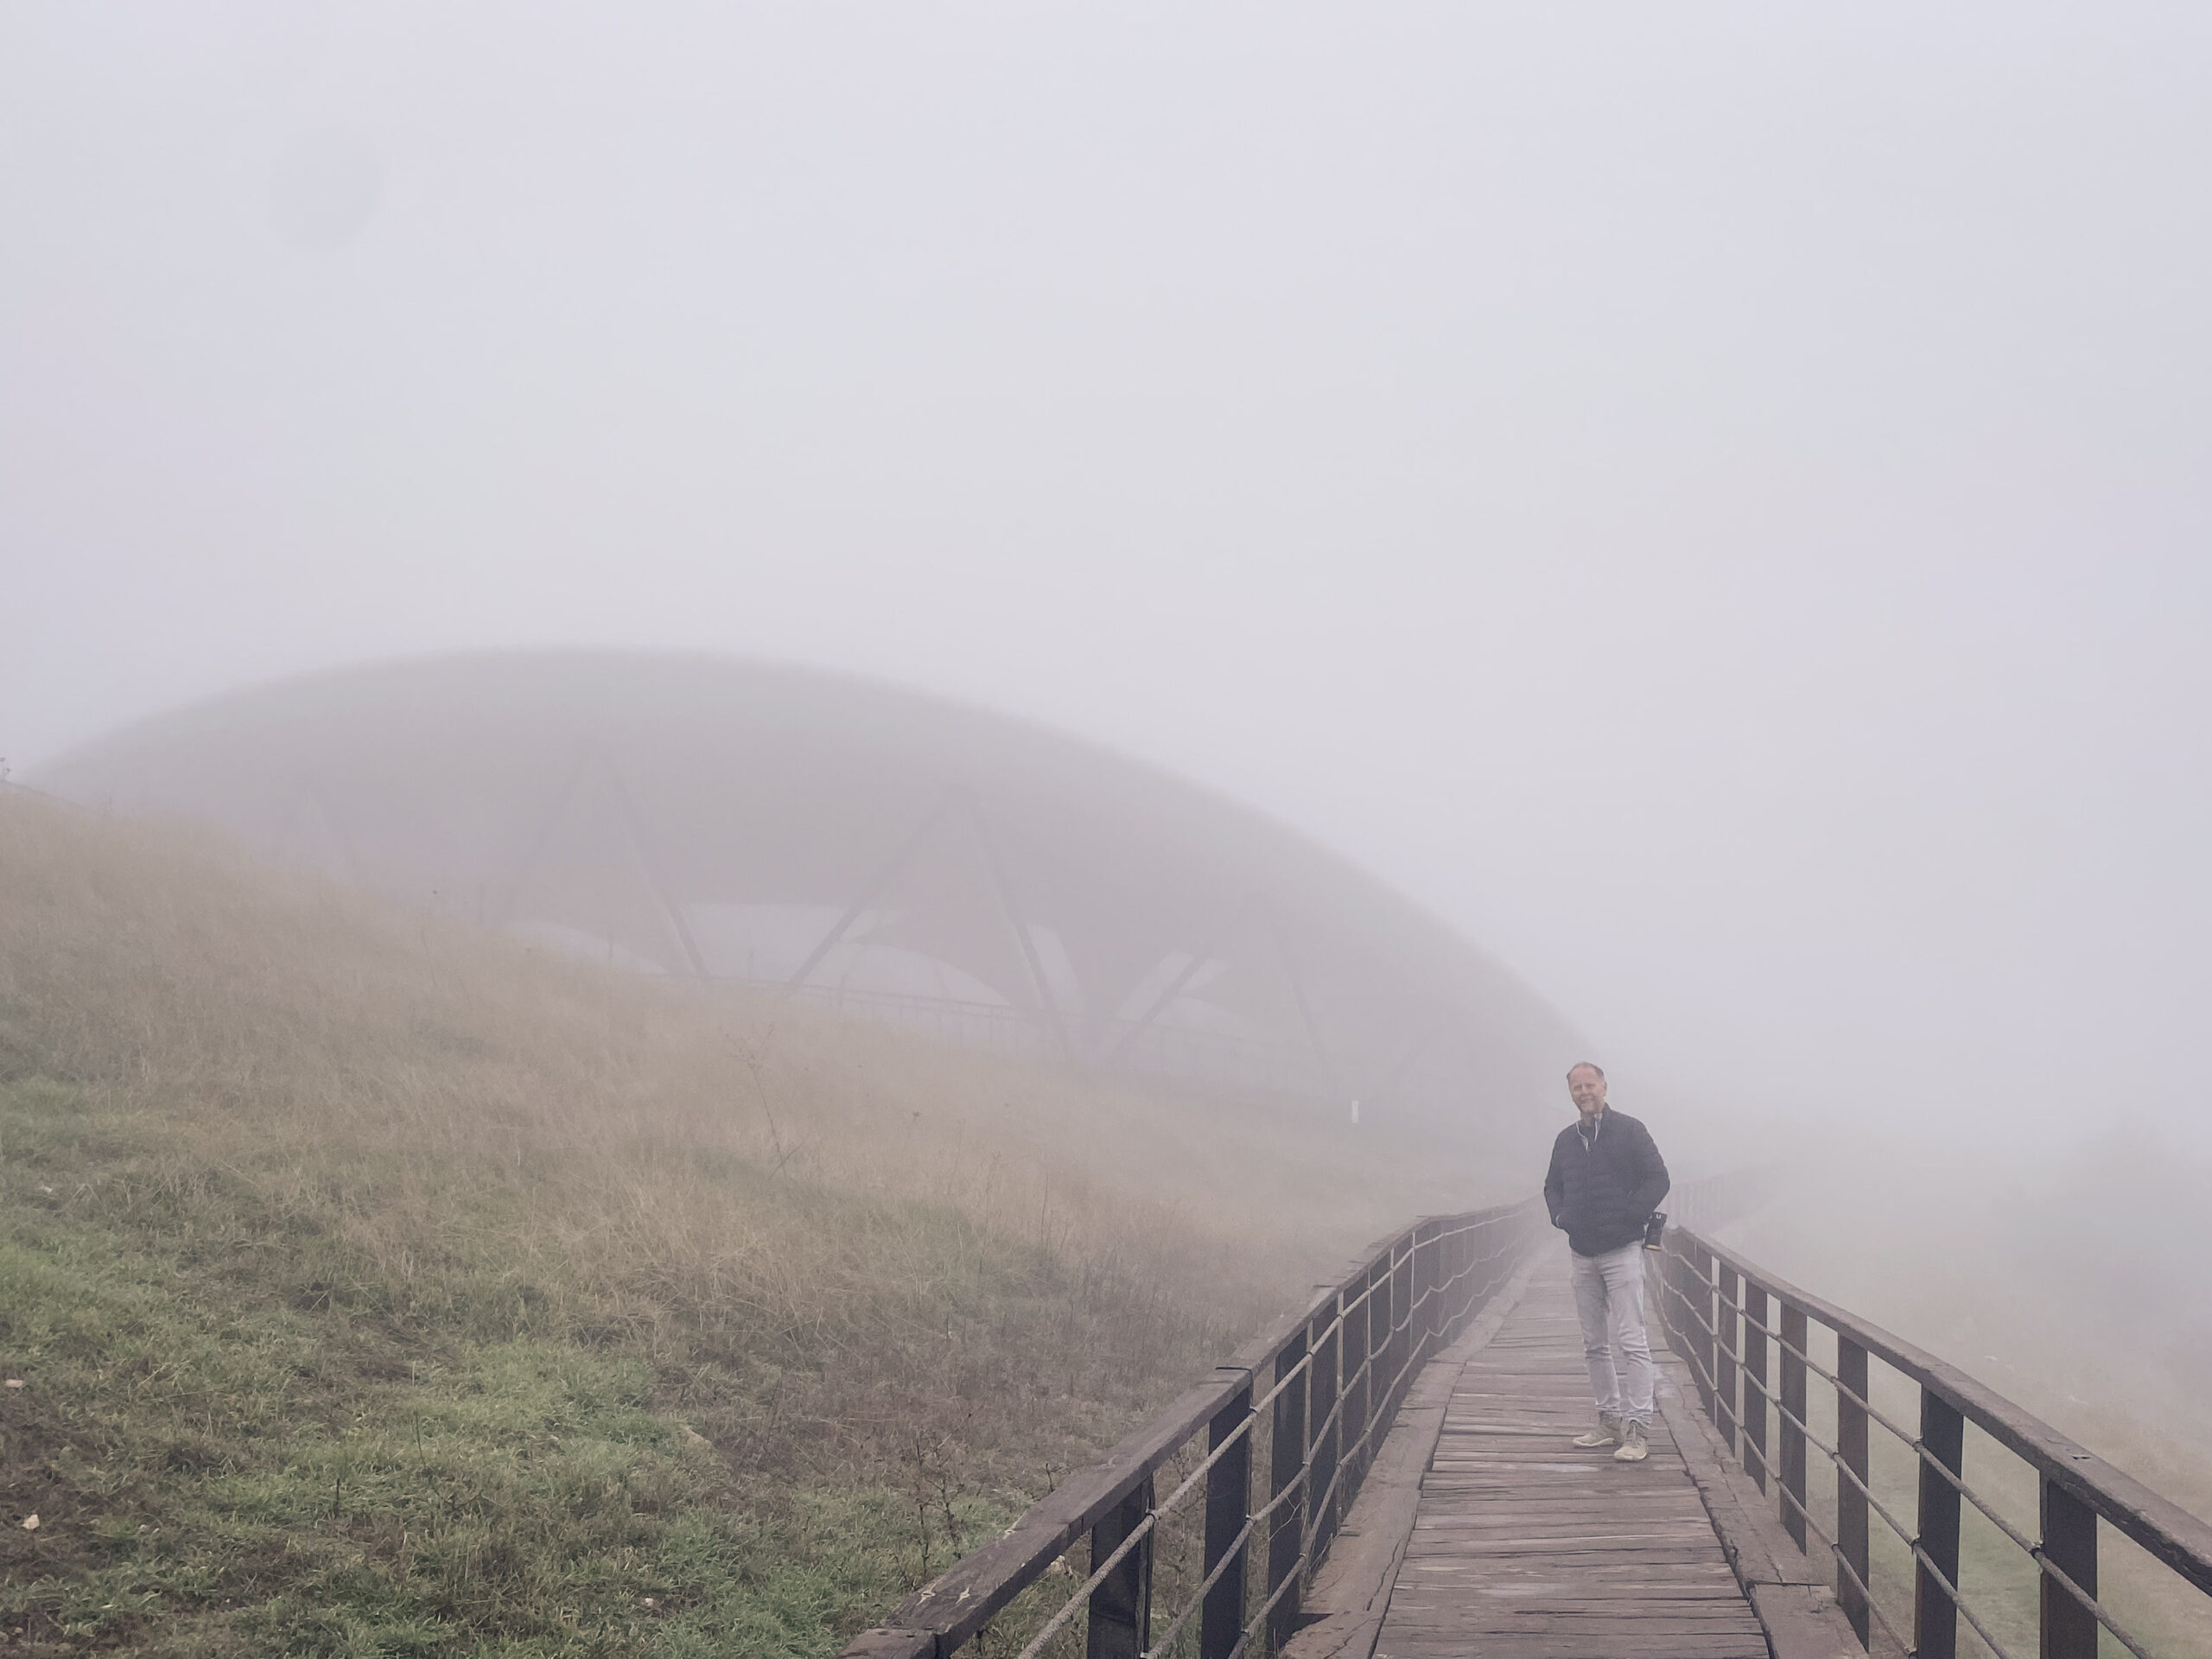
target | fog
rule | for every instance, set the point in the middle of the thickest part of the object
(1710, 500)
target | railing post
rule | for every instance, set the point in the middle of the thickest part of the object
(1120, 1607)
(1358, 1384)
(1437, 1273)
(1792, 1437)
(2070, 1543)
(1934, 1615)
(1426, 1279)
(1404, 1291)
(1383, 1342)
(1727, 1336)
(1671, 1283)
(1229, 1503)
(1704, 1324)
(1450, 1250)
(1475, 1266)
(1850, 1502)
(1481, 1275)
(1285, 1531)
(1378, 1343)
(1324, 1431)
(1465, 1254)
(1755, 1379)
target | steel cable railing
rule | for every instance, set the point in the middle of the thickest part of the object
(1905, 1536)
(1861, 1585)
(1321, 1504)
(1317, 1508)
(1327, 1384)
(1713, 1306)
(2033, 1551)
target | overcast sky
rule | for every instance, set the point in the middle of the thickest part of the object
(1712, 499)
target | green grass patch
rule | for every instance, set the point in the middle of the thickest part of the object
(236, 1440)
(379, 1286)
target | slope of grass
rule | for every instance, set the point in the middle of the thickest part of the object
(378, 1287)
(237, 1436)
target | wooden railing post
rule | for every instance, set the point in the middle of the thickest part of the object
(1440, 1269)
(1326, 1438)
(1427, 1279)
(2070, 1543)
(1755, 1379)
(1403, 1291)
(1452, 1249)
(1704, 1322)
(1671, 1288)
(1482, 1281)
(1120, 1607)
(1417, 1310)
(1229, 1503)
(1475, 1262)
(1378, 1344)
(1385, 1342)
(1359, 1390)
(1850, 1502)
(1792, 1437)
(1727, 1336)
(1934, 1615)
(1285, 1531)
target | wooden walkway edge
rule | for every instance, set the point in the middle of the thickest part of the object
(1481, 1530)
(1345, 1605)
(1793, 1598)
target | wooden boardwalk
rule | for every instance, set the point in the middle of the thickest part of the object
(1525, 1546)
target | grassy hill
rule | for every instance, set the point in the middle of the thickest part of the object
(377, 1287)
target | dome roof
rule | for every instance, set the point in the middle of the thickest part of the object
(861, 844)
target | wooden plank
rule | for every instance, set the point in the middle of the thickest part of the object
(1613, 1641)
(1446, 1645)
(1786, 1588)
(1536, 1570)
(886, 1643)
(1526, 1546)
(1528, 1600)
(1350, 1594)
(1449, 1602)
(1459, 1644)
(1487, 1567)
(1473, 1534)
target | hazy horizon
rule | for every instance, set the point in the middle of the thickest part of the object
(1713, 505)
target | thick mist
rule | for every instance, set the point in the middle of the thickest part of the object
(1714, 502)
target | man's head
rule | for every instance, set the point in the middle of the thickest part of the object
(1587, 1083)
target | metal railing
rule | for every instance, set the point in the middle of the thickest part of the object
(1324, 1385)
(1729, 1319)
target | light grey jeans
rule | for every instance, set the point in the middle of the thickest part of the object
(1609, 1299)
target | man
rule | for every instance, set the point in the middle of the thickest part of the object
(1606, 1177)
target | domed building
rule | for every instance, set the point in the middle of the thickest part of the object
(884, 852)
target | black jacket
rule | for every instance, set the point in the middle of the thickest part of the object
(1602, 1193)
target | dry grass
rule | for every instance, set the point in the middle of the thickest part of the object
(249, 1110)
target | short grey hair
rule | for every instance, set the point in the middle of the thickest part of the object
(1587, 1066)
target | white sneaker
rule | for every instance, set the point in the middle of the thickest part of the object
(1608, 1432)
(1636, 1445)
